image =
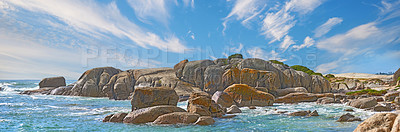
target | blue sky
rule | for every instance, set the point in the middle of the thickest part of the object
(41, 38)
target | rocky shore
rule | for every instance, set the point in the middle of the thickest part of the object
(218, 88)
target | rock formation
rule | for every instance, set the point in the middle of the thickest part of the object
(52, 82)
(380, 122)
(245, 95)
(148, 96)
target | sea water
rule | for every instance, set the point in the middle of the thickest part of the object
(68, 113)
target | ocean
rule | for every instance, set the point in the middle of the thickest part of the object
(68, 113)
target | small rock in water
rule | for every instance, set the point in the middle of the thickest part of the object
(299, 113)
(314, 113)
(233, 109)
(349, 110)
(252, 107)
(228, 116)
(281, 112)
(107, 118)
(380, 108)
(348, 118)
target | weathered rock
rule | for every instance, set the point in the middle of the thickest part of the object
(179, 68)
(193, 72)
(148, 96)
(119, 117)
(314, 113)
(381, 108)
(120, 86)
(363, 103)
(46, 90)
(380, 122)
(52, 82)
(348, 118)
(320, 84)
(107, 118)
(349, 110)
(396, 75)
(396, 124)
(92, 81)
(297, 97)
(205, 120)
(391, 96)
(249, 96)
(233, 109)
(299, 113)
(61, 90)
(213, 79)
(150, 114)
(283, 92)
(177, 118)
(201, 103)
(331, 95)
(222, 99)
(326, 100)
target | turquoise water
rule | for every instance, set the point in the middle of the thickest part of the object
(65, 113)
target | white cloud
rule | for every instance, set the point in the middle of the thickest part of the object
(277, 24)
(287, 41)
(308, 41)
(327, 67)
(151, 9)
(97, 19)
(244, 11)
(238, 49)
(188, 3)
(327, 26)
(257, 52)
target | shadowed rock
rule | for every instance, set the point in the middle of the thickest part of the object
(148, 96)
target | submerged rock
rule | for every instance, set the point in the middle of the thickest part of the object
(380, 122)
(52, 82)
(348, 118)
(153, 96)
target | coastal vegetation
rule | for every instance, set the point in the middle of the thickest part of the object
(305, 69)
(368, 91)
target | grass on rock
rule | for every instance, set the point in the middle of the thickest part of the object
(368, 91)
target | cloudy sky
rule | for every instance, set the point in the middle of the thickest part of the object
(42, 38)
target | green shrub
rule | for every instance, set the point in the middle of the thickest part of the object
(398, 79)
(329, 75)
(305, 69)
(368, 91)
(278, 62)
(235, 56)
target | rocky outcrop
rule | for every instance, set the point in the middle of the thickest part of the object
(297, 97)
(177, 118)
(348, 118)
(153, 96)
(213, 79)
(222, 99)
(193, 72)
(201, 103)
(285, 91)
(396, 76)
(380, 122)
(63, 90)
(92, 81)
(120, 86)
(364, 103)
(245, 95)
(150, 114)
(391, 96)
(46, 91)
(52, 82)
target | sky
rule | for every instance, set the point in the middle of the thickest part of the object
(45, 38)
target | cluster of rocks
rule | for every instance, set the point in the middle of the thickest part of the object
(50, 86)
(304, 113)
(192, 76)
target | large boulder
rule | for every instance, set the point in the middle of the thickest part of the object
(297, 97)
(177, 117)
(193, 72)
(213, 79)
(201, 103)
(283, 92)
(364, 103)
(380, 122)
(222, 99)
(152, 96)
(245, 95)
(120, 86)
(52, 82)
(92, 81)
(150, 114)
